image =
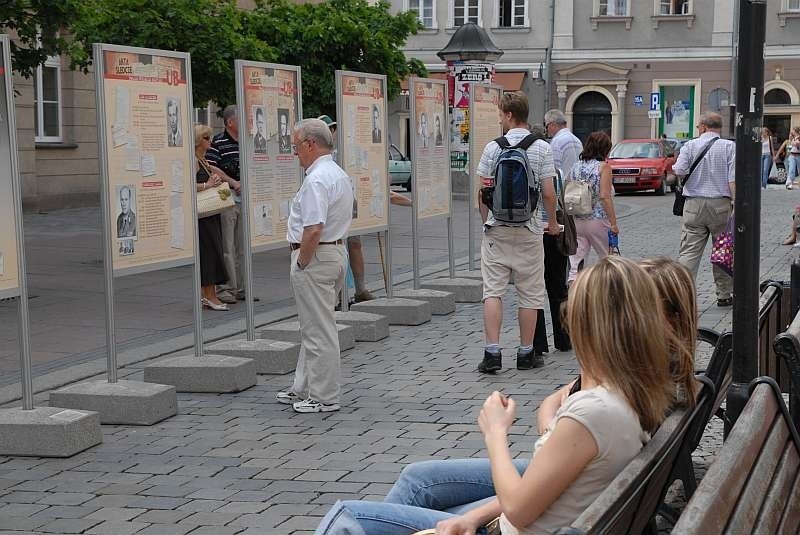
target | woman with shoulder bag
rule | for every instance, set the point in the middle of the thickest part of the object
(592, 229)
(209, 229)
(793, 158)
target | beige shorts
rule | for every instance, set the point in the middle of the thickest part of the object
(517, 250)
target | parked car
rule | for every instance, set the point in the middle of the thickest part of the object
(399, 168)
(677, 145)
(641, 164)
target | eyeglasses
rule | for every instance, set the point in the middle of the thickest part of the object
(294, 146)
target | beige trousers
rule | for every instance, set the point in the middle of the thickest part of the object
(704, 218)
(315, 289)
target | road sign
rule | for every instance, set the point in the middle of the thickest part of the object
(654, 114)
(638, 100)
(655, 101)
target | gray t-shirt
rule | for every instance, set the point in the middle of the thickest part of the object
(615, 428)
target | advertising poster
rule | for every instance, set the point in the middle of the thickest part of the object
(431, 155)
(9, 273)
(270, 103)
(485, 124)
(363, 152)
(149, 142)
(460, 78)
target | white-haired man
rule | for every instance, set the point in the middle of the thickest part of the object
(319, 218)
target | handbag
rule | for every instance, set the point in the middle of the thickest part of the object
(567, 241)
(722, 248)
(578, 198)
(773, 171)
(212, 201)
(680, 199)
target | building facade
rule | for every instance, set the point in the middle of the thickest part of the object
(603, 59)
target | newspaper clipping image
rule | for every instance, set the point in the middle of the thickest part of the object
(431, 159)
(148, 127)
(272, 104)
(363, 154)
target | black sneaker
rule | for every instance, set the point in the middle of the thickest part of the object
(491, 362)
(529, 359)
(725, 302)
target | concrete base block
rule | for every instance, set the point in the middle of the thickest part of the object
(441, 302)
(475, 274)
(399, 311)
(210, 373)
(271, 356)
(48, 431)
(289, 331)
(465, 290)
(123, 402)
(366, 327)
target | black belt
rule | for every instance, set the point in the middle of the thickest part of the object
(295, 246)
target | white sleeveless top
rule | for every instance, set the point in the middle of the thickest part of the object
(619, 436)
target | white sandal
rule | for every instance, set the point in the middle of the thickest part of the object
(213, 306)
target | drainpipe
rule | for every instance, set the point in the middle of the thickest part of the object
(734, 81)
(548, 54)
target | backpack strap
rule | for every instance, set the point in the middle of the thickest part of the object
(527, 141)
(503, 142)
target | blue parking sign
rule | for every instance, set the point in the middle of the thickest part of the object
(655, 101)
(638, 100)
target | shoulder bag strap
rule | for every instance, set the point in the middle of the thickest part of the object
(696, 161)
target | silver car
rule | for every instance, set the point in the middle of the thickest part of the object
(399, 168)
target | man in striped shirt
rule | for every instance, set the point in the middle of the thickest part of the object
(224, 153)
(709, 195)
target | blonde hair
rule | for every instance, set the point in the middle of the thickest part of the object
(620, 336)
(679, 301)
(201, 130)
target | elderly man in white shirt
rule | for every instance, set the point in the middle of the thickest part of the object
(565, 146)
(319, 219)
(709, 193)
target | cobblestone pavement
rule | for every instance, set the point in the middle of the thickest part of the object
(241, 463)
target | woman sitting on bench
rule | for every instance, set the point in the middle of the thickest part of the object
(621, 340)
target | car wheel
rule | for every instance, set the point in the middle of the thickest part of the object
(408, 185)
(662, 188)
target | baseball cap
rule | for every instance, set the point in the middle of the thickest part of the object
(327, 120)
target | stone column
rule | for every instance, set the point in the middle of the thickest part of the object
(622, 91)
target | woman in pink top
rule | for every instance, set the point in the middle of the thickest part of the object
(622, 344)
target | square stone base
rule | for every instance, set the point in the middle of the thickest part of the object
(271, 356)
(441, 302)
(465, 290)
(209, 373)
(366, 327)
(123, 402)
(48, 431)
(399, 311)
(289, 331)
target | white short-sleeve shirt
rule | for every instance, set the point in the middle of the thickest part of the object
(326, 197)
(540, 158)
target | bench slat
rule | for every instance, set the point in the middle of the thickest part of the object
(791, 517)
(777, 498)
(726, 477)
(760, 478)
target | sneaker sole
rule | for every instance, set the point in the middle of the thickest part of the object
(325, 408)
(287, 401)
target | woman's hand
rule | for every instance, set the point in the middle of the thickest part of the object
(214, 181)
(497, 415)
(615, 229)
(460, 525)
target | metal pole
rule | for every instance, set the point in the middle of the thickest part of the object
(414, 191)
(244, 213)
(26, 379)
(196, 284)
(471, 166)
(750, 99)
(108, 254)
(451, 252)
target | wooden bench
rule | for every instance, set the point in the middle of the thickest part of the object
(754, 484)
(787, 347)
(630, 502)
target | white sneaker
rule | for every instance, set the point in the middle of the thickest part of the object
(288, 397)
(310, 405)
(788, 186)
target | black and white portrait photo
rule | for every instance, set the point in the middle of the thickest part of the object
(174, 135)
(126, 219)
(260, 128)
(437, 131)
(376, 124)
(284, 133)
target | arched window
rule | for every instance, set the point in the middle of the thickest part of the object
(777, 97)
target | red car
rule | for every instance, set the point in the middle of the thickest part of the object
(641, 164)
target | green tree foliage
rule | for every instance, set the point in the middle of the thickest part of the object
(337, 34)
(35, 24)
(214, 32)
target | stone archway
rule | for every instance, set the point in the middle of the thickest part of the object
(596, 109)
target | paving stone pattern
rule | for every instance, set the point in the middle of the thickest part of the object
(244, 464)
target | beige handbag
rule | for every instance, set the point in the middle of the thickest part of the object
(213, 201)
(577, 198)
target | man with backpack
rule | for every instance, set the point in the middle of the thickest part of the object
(516, 170)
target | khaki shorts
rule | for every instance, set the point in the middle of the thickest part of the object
(517, 250)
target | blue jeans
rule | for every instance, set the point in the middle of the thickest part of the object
(766, 165)
(791, 168)
(424, 494)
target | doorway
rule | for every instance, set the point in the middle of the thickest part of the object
(591, 113)
(779, 125)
